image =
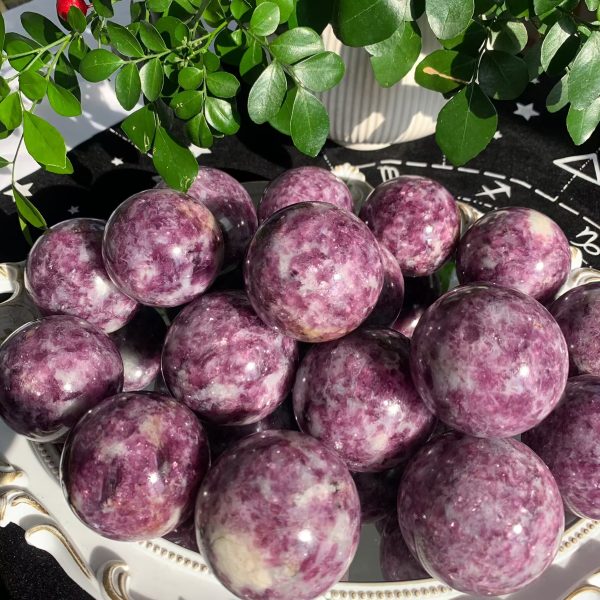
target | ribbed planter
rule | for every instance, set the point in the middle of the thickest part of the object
(365, 116)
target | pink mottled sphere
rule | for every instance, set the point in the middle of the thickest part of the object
(278, 517)
(65, 275)
(304, 184)
(484, 516)
(313, 271)
(162, 248)
(417, 220)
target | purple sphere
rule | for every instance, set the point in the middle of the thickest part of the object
(65, 275)
(278, 517)
(568, 441)
(132, 466)
(140, 345)
(578, 314)
(313, 271)
(392, 293)
(356, 395)
(417, 220)
(231, 206)
(222, 361)
(304, 184)
(377, 493)
(162, 248)
(518, 248)
(407, 321)
(396, 561)
(483, 516)
(52, 371)
(489, 361)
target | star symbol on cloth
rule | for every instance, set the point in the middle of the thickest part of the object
(23, 189)
(197, 151)
(116, 161)
(497, 135)
(73, 210)
(526, 111)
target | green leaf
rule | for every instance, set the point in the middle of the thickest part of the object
(584, 77)
(296, 44)
(466, 125)
(2, 30)
(282, 120)
(199, 131)
(314, 14)
(152, 77)
(541, 7)
(320, 72)
(286, 7)
(158, 5)
(151, 38)
(43, 141)
(559, 33)
(11, 113)
(220, 115)
(128, 86)
(62, 101)
(103, 8)
(469, 41)
(77, 50)
(592, 5)
(28, 211)
(66, 76)
(189, 78)
(174, 163)
(98, 65)
(222, 84)
(4, 88)
(251, 58)
(15, 44)
(533, 59)
(66, 170)
(267, 94)
(40, 28)
(449, 18)
(265, 19)
(445, 70)
(76, 19)
(173, 31)
(364, 22)
(187, 104)
(518, 8)
(509, 36)
(33, 85)
(211, 62)
(558, 97)
(124, 41)
(502, 76)
(393, 58)
(4, 162)
(140, 128)
(309, 125)
(239, 8)
(582, 123)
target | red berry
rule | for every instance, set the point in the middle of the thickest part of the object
(63, 6)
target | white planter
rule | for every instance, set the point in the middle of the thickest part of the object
(366, 116)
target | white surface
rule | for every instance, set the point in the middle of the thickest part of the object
(101, 109)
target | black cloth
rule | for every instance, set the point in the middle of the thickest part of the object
(532, 162)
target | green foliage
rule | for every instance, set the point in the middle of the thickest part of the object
(191, 60)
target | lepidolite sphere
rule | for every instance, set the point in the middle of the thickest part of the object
(377, 493)
(52, 371)
(222, 361)
(278, 517)
(483, 516)
(578, 314)
(392, 293)
(65, 275)
(313, 271)
(518, 248)
(489, 361)
(140, 344)
(395, 559)
(162, 248)
(304, 184)
(568, 441)
(231, 206)
(417, 220)
(132, 466)
(357, 396)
